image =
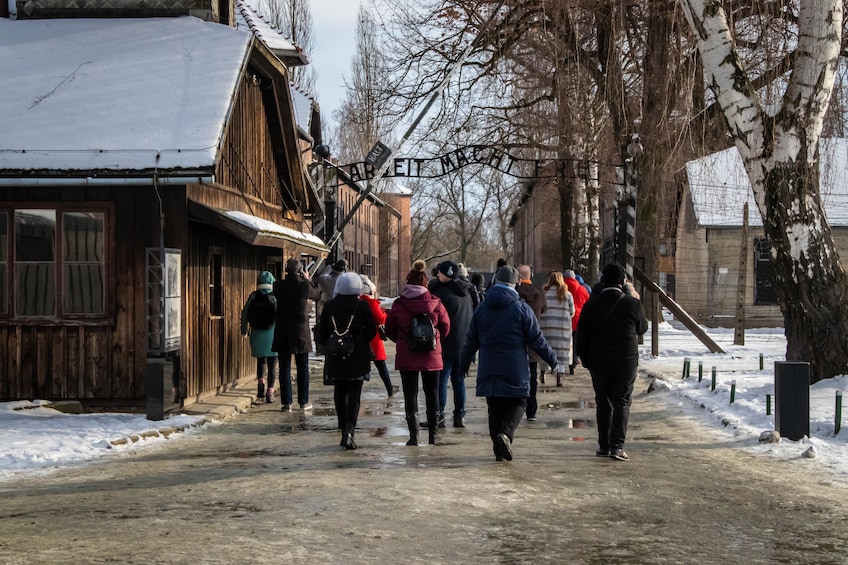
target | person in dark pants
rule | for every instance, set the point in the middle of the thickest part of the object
(261, 338)
(455, 294)
(610, 325)
(503, 327)
(292, 333)
(347, 313)
(378, 350)
(416, 299)
(535, 297)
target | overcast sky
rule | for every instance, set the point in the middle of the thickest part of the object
(335, 28)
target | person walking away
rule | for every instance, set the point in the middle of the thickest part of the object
(556, 323)
(291, 332)
(325, 283)
(378, 350)
(477, 281)
(500, 263)
(609, 329)
(258, 317)
(472, 290)
(535, 297)
(455, 295)
(415, 307)
(502, 329)
(345, 313)
(580, 295)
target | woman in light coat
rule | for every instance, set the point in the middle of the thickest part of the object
(555, 322)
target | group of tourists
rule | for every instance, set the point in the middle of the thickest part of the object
(514, 331)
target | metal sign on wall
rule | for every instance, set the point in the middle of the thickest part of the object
(434, 167)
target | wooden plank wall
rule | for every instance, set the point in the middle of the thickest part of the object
(100, 362)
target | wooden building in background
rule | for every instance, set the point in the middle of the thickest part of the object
(712, 245)
(141, 193)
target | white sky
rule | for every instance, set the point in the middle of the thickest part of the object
(39, 438)
(334, 24)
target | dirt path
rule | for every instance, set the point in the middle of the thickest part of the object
(268, 487)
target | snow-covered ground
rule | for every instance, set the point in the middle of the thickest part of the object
(746, 418)
(40, 438)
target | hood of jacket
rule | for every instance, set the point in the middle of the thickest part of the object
(500, 296)
(456, 286)
(413, 291)
(265, 282)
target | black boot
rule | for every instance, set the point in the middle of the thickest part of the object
(260, 391)
(412, 423)
(432, 421)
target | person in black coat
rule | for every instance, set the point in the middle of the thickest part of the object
(455, 295)
(292, 335)
(346, 313)
(610, 325)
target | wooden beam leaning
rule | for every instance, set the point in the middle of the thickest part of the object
(678, 312)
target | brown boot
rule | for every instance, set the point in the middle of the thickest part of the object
(559, 379)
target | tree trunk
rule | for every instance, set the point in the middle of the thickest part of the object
(781, 156)
(811, 286)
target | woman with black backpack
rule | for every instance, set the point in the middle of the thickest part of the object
(346, 328)
(416, 323)
(257, 320)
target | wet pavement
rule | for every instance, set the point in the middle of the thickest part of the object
(271, 487)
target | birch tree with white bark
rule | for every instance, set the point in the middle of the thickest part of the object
(780, 149)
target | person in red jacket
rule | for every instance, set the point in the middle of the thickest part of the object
(580, 295)
(378, 351)
(416, 299)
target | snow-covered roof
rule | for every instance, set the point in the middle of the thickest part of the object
(302, 108)
(720, 186)
(394, 187)
(116, 94)
(254, 16)
(267, 227)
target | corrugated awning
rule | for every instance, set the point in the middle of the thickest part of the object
(257, 231)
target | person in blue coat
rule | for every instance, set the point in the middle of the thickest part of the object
(502, 329)
(261, 339)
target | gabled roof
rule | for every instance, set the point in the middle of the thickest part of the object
(720, 186)
(253, 15)
(116, 94)
(304, 109)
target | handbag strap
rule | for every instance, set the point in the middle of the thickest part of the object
(349, 323)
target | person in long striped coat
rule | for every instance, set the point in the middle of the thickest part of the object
(555, 322)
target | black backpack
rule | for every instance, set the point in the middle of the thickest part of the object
(262, 312)
(422, 334)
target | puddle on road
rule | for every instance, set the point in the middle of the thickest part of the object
(571, 423)
(580, 404)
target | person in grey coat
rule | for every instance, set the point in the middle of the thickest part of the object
(503, 328)
(291, 332)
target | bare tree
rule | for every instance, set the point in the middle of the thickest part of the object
(294, 19)
(361, 117)
(780, 150)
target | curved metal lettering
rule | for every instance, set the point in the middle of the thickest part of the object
(442, 165)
